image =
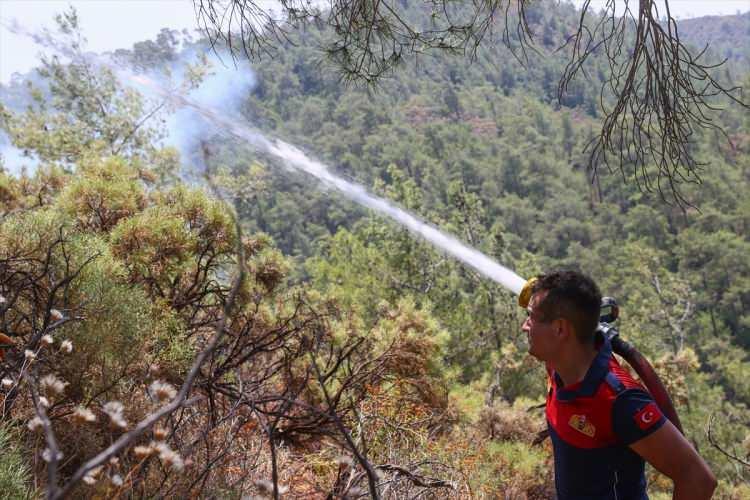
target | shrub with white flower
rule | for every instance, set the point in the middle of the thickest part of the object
(34, 424)
(83, 415)
(143, 451)
(160, 433)
(265, 487)
(66, 346)
(168, 456)
(114, 411)
(51, 385)
(91, 476)
(55, 315)
(162, 391)
(47, 455)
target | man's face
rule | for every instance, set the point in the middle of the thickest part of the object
(543, 343)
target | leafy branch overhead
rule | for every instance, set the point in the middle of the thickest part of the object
(655, 96)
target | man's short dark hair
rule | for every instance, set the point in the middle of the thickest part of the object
(573, 296)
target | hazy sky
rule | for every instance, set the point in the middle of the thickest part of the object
(112, 24)
(689, 8)
(107, 25)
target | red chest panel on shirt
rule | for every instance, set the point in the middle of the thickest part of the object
(586, 421)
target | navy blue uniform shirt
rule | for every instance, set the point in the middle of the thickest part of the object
(591, 424)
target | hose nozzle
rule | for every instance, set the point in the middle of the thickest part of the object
(525, 296)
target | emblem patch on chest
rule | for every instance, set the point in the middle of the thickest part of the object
(581, 424)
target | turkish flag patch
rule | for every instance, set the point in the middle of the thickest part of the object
(647, 416)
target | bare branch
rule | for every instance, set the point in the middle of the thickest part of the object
(662, 96)
(716, 445)
(417, 479)
(366, 465)
(52, 454)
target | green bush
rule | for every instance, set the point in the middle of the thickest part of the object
(14, 471)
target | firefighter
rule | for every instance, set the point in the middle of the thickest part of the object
(603, 424)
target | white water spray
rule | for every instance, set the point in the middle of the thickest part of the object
(297, 160)
(358, 194)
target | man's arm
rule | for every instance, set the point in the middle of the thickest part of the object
(672, 455)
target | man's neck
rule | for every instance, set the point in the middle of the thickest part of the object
(572, 367)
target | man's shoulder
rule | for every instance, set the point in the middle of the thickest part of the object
(634, 412)
(622, 374)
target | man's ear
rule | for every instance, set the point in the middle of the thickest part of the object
(564, 328)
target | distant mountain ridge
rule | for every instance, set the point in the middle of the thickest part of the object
(728, 36)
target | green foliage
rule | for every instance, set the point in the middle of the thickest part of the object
(26, 233)
(504, 468)
(168, 347)
(729, 427)
(730, 365)
(118, 322)
(15, 473)
(103, 193)
(718, 266)
(168, 245)
(482, 150)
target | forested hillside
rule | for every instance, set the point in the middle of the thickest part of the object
(721, 34)
(336, 350)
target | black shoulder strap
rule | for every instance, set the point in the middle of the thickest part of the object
(614, 383)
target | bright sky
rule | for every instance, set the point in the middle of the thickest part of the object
(685, 9)
(112, 24)
(107, 25)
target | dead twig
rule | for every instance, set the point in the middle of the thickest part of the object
(716, 445)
